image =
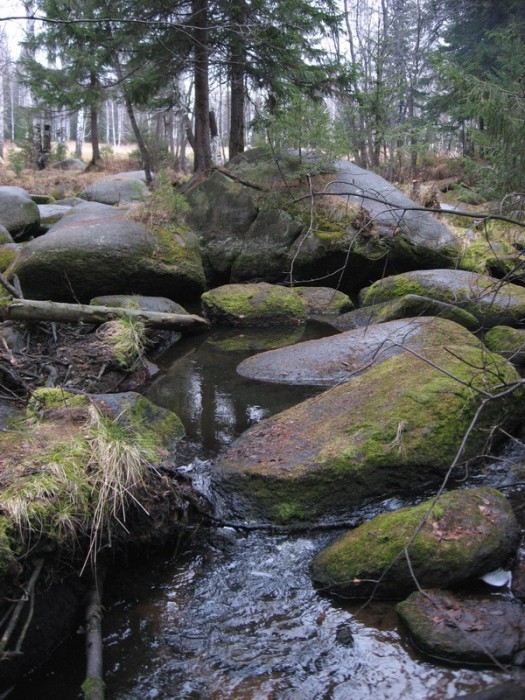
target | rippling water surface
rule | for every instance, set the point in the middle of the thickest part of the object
(235, 615)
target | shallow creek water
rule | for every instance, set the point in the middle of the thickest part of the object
(235, 616)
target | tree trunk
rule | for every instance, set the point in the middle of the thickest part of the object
(202, 146)
(237, 69)
(31, 310)
(95, 145)
(80, 133)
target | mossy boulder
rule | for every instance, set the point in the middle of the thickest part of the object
(97, 250)
(463, 534)
(396, 428)
(247, 305)
(324, 301)
(340, 357)
(18, 213)
(51, 213)
(508, 342)
(466, 630)
(404, 307)
(492, 301)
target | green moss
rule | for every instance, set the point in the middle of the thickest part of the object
(510, 342)
(463, 534)
(46, 398)
(7, 255)
(284, 513)
(242, 304)
(397, 287)
(7, 556)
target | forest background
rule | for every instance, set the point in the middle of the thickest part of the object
(399, 86)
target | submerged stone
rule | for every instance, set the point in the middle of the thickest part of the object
(461, 535)
(467, 630)
(396, 428)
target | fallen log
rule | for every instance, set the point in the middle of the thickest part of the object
(31, 310)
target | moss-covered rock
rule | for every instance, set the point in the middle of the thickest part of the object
(463, 534)
(394, 429)
(341, 357)
(405, 307)
(78, 467)
(137, 301)
(491, 301)
(508, 342)
(98, 250)
(324, 301)
(253, 305)
(120, 188)
(466, 630)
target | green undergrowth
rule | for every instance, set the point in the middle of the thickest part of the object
(73, 473)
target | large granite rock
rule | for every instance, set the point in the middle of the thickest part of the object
(248, 233)
(122, 188)
(18, 213)
(396, 428)
(96, 250)
(461, 535)
(491, 301)
(340, 357)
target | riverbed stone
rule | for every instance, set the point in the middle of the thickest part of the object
(396, 428)
(465, 630)
(97, 250)
(260, 304)
(121, 188)
(324, 301)
(340, 357)
(461, 535)
(508, 342)
(18, 213)
(492, 301)
(403, 307)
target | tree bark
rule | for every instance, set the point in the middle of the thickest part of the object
(95, 145)
(202, 160)
(31, 310)
(237, 68)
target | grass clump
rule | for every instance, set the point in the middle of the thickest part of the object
(127, 340)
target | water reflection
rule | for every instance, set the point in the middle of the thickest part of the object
(200, 384)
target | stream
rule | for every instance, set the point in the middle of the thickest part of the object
(233, 613)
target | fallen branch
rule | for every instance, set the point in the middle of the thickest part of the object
(93, 686)
(31, 310)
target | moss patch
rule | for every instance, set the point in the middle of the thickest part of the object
(253, 304)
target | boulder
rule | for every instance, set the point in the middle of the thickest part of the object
(122, 188)
(461, 535)
(466, 630)
(8, 253)
(245, 305)
(18, 213)
(70, 164)
(96, 250)
(324, 301)
(396, 428)
(51, 213)
(390, 207)
(340, 357)
(508, 342)
(403, 307)
(252, 232)
(492, 301)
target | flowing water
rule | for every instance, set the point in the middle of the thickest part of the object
(235, 615)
